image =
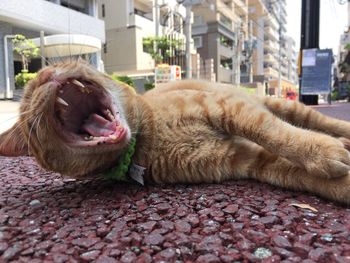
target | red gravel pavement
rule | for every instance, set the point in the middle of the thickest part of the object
(44, 218)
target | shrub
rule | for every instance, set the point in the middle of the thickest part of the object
(148, 86)
(125, 79)
(21, 79)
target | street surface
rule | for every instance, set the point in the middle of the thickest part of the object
(44, 217)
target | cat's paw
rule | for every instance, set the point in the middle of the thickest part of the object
(337, 189)
(328, 158)
(346, 142)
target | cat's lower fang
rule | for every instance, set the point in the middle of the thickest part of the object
(113, 137)
(110, 115)
(88, 138)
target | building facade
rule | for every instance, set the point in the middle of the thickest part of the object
(343, 56)
(247, 41)
(219, 30)
(128, 23)
(274, 56)
(53, 17)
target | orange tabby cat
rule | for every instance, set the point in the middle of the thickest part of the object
(77, 121)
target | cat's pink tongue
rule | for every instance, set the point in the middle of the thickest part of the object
(98, 126)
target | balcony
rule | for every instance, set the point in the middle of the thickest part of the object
(241, 7)
(224, 75)
(269, 58)
(50, 17)
(270, 21)
(270, 72)
(145, 23)
(271, 33)
(271, 45)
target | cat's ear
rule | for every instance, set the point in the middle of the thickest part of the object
(13, 142)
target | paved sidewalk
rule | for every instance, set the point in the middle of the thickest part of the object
(9, 111)
(46, 218)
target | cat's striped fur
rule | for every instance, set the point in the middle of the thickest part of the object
(192, 132)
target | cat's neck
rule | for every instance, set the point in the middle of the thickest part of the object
(141, 121)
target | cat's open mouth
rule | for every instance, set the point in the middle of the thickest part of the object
(85, 114)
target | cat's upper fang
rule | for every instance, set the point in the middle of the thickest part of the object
(62, 101)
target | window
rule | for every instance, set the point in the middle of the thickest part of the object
(226, 21)
(197, 20)
(198, 42)
(103, 10)
(105, 48)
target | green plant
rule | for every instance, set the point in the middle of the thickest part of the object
(161, 48)
(334, 95)
(21, 79)
(25, 48)
(148, 86)
(125, 79)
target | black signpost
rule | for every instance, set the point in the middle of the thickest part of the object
(310, 23)
(316, 71)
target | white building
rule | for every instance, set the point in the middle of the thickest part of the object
(128, 22)
(53, 17)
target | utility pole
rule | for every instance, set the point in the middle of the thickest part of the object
(236, 59)
(188, 32)
(310, 24)
(156, 23)
(42, 48)
(250, 51)
(156, 17)
(279, 91)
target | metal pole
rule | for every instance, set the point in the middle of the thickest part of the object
(42, 49)
(8, 92)
(156, 18)
(279, 91)
(236, 59)
(156, 23)
(310, 23)
(250, 54)
(188, 41)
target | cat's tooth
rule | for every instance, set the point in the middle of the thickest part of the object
(62, 101)
(78, 83)
(110, 115)
(89, 138)
(113, 137)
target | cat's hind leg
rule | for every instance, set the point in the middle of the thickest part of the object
(319, 154)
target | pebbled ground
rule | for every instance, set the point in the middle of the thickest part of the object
(46, 218)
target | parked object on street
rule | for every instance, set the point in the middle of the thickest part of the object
(291, 95)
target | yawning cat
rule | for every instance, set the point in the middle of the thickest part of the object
(77, 121)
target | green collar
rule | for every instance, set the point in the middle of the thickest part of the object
(119, 172)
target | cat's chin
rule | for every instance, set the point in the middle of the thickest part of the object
(86, 116)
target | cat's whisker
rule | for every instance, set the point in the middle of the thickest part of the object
(30, 132)
(62, 101)
(37, 129)
(46, 60)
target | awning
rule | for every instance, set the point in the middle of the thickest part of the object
(63, 45)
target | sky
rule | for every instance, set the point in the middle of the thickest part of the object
(333, 21)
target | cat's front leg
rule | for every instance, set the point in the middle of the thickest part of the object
(319, 154)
